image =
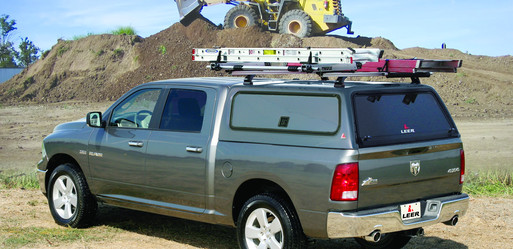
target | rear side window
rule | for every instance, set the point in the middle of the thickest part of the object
(317, 114)
(184, 111)
(392, 118)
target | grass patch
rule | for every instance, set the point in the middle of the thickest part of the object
(471, 101)
(493, 183)
(21, 237)
(19, 180)
(125, 30)
(61, 50)
(78, 37)
(162, 50)
(118, 52)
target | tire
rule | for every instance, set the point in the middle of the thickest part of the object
(296, 22)
(389, 240)
(71, 203)
(240, 16)
(268, 219)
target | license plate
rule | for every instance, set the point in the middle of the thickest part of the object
(410, 211)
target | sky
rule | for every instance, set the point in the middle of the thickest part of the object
(471, 26)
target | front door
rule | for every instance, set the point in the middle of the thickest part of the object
(117, 153)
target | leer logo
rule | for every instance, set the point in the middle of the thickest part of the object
(407, 130)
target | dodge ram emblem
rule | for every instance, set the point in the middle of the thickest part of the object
(415, 167)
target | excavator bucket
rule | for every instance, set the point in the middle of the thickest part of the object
(189, 10)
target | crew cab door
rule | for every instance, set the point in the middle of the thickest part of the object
(409, 147)
(117, 152)
(177, 151)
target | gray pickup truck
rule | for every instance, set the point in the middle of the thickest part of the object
(281, 160)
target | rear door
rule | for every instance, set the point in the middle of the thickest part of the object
(177, 150)
(409, 147)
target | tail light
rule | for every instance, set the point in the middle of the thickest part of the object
(344, 186)
(462, 166)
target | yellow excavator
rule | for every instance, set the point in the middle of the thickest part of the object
(302, 18)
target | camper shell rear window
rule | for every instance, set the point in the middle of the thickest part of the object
(288, 113)
(384, 118)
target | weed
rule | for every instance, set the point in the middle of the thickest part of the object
(174, 67)
(148, 77)
(44, 54)
(461, 74)
(125, 30)
(136, 58)
(493, 183)
(61, 50)
(99, 53)
(78, 37)
(20, 180)
(118, 52)
(162, 49)
(471, 101)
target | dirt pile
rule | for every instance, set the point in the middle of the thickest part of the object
(102, 67)
(74, 70)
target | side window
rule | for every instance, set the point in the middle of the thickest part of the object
(313, 114)
(184, 111)
(136, 110)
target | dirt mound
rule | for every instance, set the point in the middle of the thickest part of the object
(102, 67)
(74, 70)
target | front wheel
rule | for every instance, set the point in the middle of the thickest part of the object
(267, 221)
(70, 201)
(240, 16)
(296, 22)
(389, 240)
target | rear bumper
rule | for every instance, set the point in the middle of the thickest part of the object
(387, 220)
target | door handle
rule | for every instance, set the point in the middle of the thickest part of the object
(194, 149)
(135, 143)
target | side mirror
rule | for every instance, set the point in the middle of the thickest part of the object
(94, 119)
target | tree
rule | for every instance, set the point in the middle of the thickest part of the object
(7, 28)
(7, 52)
(8, 55)
(28, 52)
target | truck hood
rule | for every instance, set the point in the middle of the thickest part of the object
(77, 124)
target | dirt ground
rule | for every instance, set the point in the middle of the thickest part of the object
(488, 224)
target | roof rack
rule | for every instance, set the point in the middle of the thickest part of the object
(325, 62)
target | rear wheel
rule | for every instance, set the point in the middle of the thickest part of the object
(296, 22)
(389, 240)
(240, 16)
(70, 201)
(267, 221)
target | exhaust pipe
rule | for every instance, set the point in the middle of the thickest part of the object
(374, 236)
(452, 222)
